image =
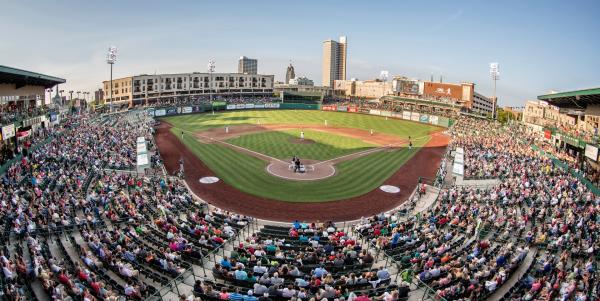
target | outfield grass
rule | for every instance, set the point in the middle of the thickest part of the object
(248, 174)
(401, 128)
(278, 144)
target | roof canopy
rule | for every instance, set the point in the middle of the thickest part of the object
(22, 78)
(578, 99)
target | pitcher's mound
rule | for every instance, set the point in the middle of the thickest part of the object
(301, 141)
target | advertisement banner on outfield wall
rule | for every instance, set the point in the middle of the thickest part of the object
(342, 108)
(160, 112)
(240, 106)
(249, 106)
(386, 113)
(443, 121)
(186, 110)
(547, 134)
(433, 119)
(196, 109)
(272, 105)
(374, 112)
(8, 131)
(329, 108)
(171, 111)
(406, 115)
(424, 118)
(230, 107)
(414, 116)
(259, 106)
(352, 109)
(397, 115)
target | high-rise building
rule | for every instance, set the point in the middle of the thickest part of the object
(247, 65)
(289, 74)
(98, 95)
(334, 61)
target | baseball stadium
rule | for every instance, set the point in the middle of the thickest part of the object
(392, 164)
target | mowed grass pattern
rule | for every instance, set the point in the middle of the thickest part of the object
(278, 144)
(248, 174)
(401, 128)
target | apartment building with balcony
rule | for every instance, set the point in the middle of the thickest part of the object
(151, 88)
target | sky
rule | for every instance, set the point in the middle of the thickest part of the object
(540, 45)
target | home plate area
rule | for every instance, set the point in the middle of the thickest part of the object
(307, 170)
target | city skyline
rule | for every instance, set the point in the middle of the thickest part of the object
(540, 46)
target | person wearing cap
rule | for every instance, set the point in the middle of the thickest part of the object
(250, 296)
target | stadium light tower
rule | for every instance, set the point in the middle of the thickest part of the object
(211, 69)
(111, 59)
(495, 74)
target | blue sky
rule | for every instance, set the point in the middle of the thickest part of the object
(540, 45)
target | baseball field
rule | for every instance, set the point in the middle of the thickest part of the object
(239, 147)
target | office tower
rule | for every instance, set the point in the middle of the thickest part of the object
(247, 65)
(334, 61)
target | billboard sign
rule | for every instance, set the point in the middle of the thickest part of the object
(591, 152)
(374, 112)
(8, 131)
(186, 110)
(259, 106)
(433, 119)
(424, 118)
(160, 112)
(230, 107)
(407, 87)
(329, 108)
(353, 109)
(342, 108)
(442, 90)
(415, 116)
(249, 106)
(406, 115)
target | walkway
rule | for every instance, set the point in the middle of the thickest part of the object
(515, 277)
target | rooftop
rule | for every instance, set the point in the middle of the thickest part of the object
(578, 99)
(21, 78)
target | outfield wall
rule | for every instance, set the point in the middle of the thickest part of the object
(178, 110)
(406, 115)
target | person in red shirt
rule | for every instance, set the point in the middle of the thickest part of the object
(362, 298)
(64, 279)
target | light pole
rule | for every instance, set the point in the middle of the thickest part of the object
(495, 74)
(211, 69)
(111, 59)
(49, 96)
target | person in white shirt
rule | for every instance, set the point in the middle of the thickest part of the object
(259, 269)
